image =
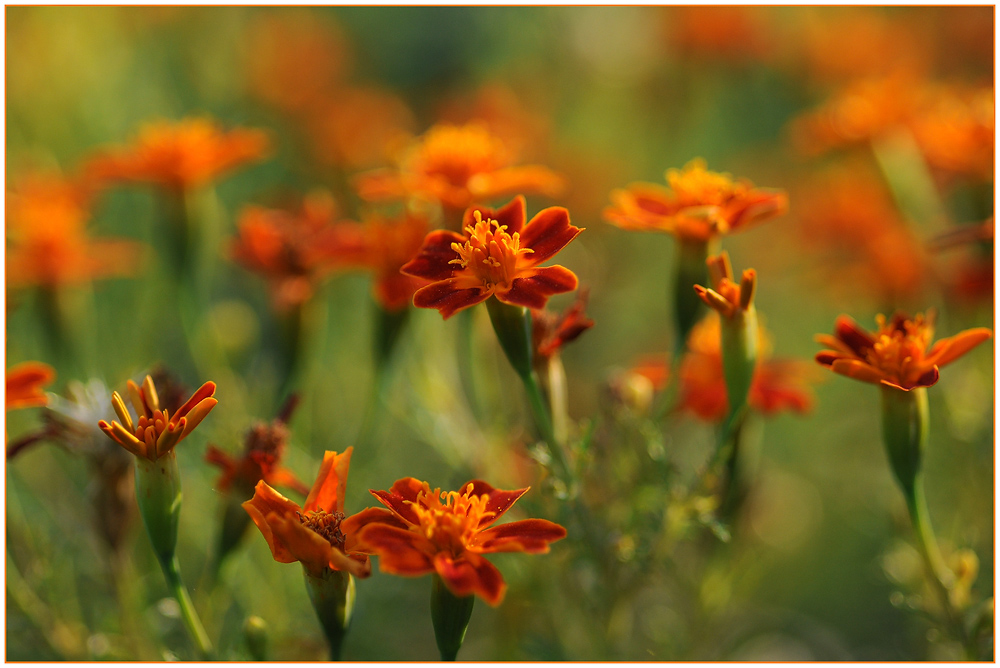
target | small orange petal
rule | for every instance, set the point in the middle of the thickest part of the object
(331, 483)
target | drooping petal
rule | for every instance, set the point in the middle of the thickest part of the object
(547, 234)
(533, 287)
(400, 551)
(858, 370)
(853, 335)
(400, 496)
(433, 258)
(302, 543)
(351, 526)
(450, 296)
(512, 215)
(471, 574)
(282, 477)
(499, 501)
(327, 492)
(265, 505)
(948, 350)
(828, 357)
(532, 536)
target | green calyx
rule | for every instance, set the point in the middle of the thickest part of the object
(450, 615)
(158, 493)
(332, 594)
(904, 432)
(512, 325)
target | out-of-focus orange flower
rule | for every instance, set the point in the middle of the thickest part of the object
(24, 385)
(698, 206)
(457, 166)
(448, 532)
(261, 460)
(512, 116)
(551, 331)
(382, 245)
(778, 385)
(47, 242)
(497, 256)
(287, 249)
(955, 131)
(726, 296)
(157, 431)
(731, 33)
(180, 154)
(896, 354)
(318, 535)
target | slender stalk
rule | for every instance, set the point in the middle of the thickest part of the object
(172, 574)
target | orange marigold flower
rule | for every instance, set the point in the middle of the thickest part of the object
(896, 354)
(156, 432)
(956, 132)
(728, 297)
(699, 205)
(448, 532)
(47, 238)
(180, 154)
(458, 165)
(286, 248)
(317, 534)
(498, 255)
(261, 460)
(24, 385)
(382, 245)
(551, 331)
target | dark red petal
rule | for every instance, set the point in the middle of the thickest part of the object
(351, 527)
(499, 502)
(448, 298)
(399, 551)
(532, 535)
(432, 260)
(828, 357)
(928, 378)
(534, 286)
(856, 338)
(512, 214)
(396, 499)
(471, 574)
(547, 234)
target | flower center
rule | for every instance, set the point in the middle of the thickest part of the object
(326, 525)
(490, 252)
(900, 344)
(458, 153)
(451, 524)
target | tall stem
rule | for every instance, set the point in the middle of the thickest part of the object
(172, 573)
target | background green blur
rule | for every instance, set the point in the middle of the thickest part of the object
(612, 95)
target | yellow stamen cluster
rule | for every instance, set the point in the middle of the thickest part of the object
(490, 252)
(326, 525)
(459, 152)
(450, 525)
(697, 185)
(899, 346)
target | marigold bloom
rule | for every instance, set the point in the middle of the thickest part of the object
(448, 532)
(457, 166)
(382, 245)
(181, 154)
(261, 460)
(24, 385)
(551, 331)
(727, 297)
(497, 256)
(955, 131)
(699, 205)
(896, 354)
(317, 534)
(157, 431)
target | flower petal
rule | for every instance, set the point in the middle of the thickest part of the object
(399, 497)
(394, 292)
(512, 214)
(499, 502)
(853, 335)
(327, 492)
(857, 370)
(450, 296)
(351, 526)
(266, 504)
(302, 543)
(282, 477)
(533, 287)
(948, 350)
(24, 384)
(203, 392)
(547, 233)
(531, 536)
(471, 574)
(400, 551)
(433, 258)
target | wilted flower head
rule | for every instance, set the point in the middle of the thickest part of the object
(551, 331)
(699, 204)
(457, 166)
(896, 354)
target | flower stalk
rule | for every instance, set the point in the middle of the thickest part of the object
(450, 615)
(332, 594)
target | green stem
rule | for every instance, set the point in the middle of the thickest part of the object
(172, 573)
(450, 615)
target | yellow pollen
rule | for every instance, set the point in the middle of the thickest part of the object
(898, 348)
(451, 524)
(490, 252)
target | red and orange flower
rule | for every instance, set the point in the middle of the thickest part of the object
(896, 354)
(498, 255)
(458, 165)
(551, 331)
(180, 155)
(24, 385)
(699, 204)
(449, 532)
(317, 534)
(261, 460)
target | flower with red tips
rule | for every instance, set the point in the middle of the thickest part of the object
(24, 385)
(156, 432)
(180, 154)
(448, 532)
(699, 205)
(316, 534)
(498, 255)
(896, 353)
(727, 297)
(458, 165)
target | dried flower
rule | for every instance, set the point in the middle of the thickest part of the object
(551, 331)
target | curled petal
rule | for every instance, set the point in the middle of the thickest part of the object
(266, 504)
(948, 350)
(533, 287)
(547, 234)
(197, 414)
(757, 206)
(331, 482)
(512, 214)
(471, 574)
(203, 392)
(400, 496)
(302, 543)
(451, 296)
(400, 551)
(857, 370)
(352, 526)
(532, 536)
(499, 501)
(433, 260)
